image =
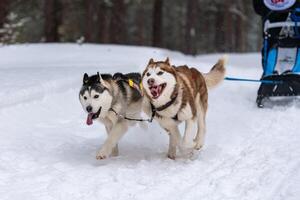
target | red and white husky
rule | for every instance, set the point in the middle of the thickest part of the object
(179, 94)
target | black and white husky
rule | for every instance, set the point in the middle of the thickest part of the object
(108, 99)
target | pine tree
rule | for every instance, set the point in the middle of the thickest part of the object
(157, 23)
(190, 26)
(118, 22)
(53, 20)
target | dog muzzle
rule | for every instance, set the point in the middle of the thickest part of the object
(93, 116)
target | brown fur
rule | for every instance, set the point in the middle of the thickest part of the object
(191, 79)
(191, 90)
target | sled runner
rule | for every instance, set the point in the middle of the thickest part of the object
(280, 55)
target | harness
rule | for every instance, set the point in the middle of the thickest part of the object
(134, 119)
(153, 110)
(133, 84)
(139, 87)
(163, 107)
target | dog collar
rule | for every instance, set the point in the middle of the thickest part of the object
(165, 106)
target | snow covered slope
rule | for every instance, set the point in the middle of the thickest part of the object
(47, 152)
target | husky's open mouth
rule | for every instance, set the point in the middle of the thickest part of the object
(157, 90)
(92, 116)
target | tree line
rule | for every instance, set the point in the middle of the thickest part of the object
(190, 26)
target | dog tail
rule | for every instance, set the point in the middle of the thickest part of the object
(216, 74)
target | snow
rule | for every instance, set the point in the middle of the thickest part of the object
(47, 152)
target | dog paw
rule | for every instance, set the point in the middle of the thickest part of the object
(115, 152)
(198, 146)
(187, 146)
(102, 154)
(187, 152)
(143, 125)
(100, 157)
(172, 156)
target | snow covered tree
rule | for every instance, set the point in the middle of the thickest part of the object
(191, 26)
(3, 13)
(11, 29)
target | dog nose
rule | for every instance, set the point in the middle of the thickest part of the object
(151, 81)
(89, 109)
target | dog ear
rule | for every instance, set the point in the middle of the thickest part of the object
(167, 61)
(85, 78)
(101, 81)
(151, 61)
(99, 78)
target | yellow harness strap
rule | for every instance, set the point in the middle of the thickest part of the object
(131, 83)
(139, 87)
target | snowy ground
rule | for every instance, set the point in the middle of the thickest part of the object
(47, 152)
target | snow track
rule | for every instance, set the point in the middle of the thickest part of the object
(47, 151)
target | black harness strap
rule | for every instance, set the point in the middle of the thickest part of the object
(132, 83)
(163, 107)
(133, 119)
(153, 110)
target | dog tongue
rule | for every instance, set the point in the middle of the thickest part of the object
(155, 91)
(89, 120)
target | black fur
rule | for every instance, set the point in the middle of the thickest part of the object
(121, 80)
(121, 85)
(136, 77)
(94, 82)
(95, 79)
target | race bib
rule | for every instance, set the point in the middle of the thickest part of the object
(279, 4)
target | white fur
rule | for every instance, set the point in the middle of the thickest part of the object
(199, 140)
(115, 126)
(160, 79)
(185, 113)
(104, 100)
(174, 135)
(85, 103)
(115, 132)
(187, 144)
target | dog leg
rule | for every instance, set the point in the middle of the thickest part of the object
(201, 131)
(115, 151)
(117, 131)
(188, 143)
(108, 126)
(174, 138)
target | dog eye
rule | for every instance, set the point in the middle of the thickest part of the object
(160, 73)
(85, 98)
(96, 96)
(148, 74)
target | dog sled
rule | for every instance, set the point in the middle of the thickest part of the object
(280, 55)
